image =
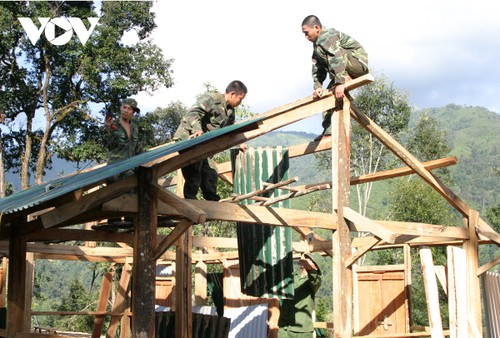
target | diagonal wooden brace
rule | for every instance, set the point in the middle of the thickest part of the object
(194, 214)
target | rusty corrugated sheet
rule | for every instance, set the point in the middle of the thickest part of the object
(491, 283)
(265, 252)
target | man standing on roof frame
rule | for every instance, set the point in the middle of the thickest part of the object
(335, 54)
(211, 111)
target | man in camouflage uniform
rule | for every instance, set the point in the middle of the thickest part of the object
(335, 54)
(210, 112)
(122, 134)
(296, 314)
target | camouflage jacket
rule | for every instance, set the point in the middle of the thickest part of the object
(119, 145)
(329, 56)
(210, 112)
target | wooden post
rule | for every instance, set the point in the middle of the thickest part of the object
(431, 292)
(183, 275)
(457, 292)
(144, 269)
(200, 282)
(341, 239)
(408, 283)
(473, 283)
(28, 289)
(102, 303)
(183, 306)
(16, 295)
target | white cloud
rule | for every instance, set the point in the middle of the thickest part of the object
(439, 51)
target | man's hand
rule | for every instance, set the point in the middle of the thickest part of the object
(195, 134)
(108, 121)
(243, 147)
(339, 91)
(318, 93)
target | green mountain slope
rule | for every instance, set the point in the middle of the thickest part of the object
(474, 137)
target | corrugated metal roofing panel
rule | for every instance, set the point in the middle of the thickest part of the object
(248, 321)
(265, 252)
(38, 194)
(491, 295)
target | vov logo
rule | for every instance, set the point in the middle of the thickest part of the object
(68, 25)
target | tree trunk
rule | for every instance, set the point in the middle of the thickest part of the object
(25, 158)
(2, 169)
(42, 154)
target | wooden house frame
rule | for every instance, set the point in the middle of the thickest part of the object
(23, 227)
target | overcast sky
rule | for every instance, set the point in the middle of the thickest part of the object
(440, 52)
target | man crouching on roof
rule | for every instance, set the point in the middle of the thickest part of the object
(211, 111)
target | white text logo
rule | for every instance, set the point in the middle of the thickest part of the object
(68, 25)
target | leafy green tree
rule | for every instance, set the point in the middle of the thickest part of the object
(77, 299)
(387, 106)
(159, 126)
(61, 82)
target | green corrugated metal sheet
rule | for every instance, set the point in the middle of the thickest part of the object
(45, 192)
(265, 252)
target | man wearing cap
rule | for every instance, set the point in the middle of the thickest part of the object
(296, 314)
(335, 54)
(122, 134)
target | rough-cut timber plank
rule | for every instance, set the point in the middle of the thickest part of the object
(168, 241)
(431, 293)
(237, 213)
(88, 202)
(102, 304)
(409, 159)
(362, 223)
(196, 215)
(341, 238)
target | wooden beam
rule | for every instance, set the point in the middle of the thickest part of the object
(362, 250)
(431, 293)
(56, 234)
(144, 268)
(457, 291)
(88, 202)
(488, 266)
(486, 230)
(474, 317)
(196, 215)
(341, 238)
(268, 122)
(102, 304)
(183, 305)
(361, 223)
(409, 159)
(403, 171)
(237, 213)
(266, 188)
(16, 295)
(200, 282)
(119, 306)
(171, 238)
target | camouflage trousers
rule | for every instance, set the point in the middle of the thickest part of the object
(200, 175)
(355, 68)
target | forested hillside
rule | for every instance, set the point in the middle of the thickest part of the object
(473, 134)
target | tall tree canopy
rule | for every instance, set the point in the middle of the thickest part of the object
(48, 91)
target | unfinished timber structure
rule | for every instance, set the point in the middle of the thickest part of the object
(45, 212)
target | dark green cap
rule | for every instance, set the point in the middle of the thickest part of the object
(132, 103)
